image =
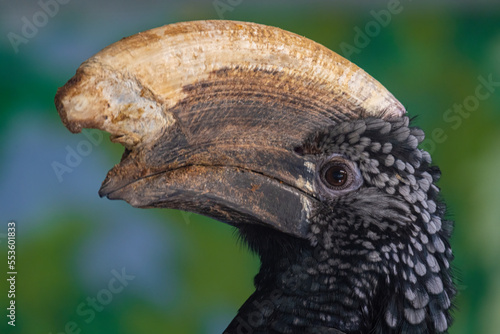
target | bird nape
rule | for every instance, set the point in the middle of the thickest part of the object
(310, 158)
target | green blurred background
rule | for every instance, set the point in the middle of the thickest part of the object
(190, 274)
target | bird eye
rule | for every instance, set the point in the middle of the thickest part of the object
(336, 175)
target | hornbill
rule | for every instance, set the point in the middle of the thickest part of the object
(310, 158)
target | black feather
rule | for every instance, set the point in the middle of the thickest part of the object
(377, 259)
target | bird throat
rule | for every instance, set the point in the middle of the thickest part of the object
(299, 287)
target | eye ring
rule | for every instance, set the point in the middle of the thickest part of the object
(337, 175)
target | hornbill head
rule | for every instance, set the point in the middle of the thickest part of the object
(312, 159)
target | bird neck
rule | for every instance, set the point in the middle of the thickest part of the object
(294, 293)
(344, 289)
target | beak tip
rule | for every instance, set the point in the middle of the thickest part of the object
(102, 193)
(106, 188)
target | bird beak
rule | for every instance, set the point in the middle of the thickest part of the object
(210, 114)
(237, 183)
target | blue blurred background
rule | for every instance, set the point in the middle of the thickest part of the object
(185, 273)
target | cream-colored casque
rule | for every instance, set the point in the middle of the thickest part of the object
(129, 88)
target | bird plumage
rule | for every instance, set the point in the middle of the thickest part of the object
(377, 259)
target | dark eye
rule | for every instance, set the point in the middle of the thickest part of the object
(340, 174)
(336, 175)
